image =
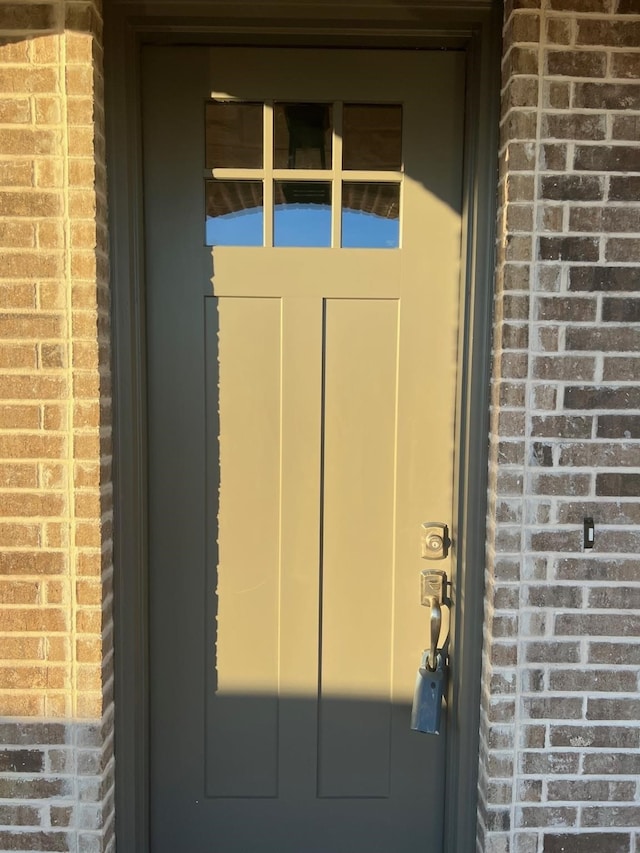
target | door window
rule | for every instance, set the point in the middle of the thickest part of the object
(303, 174)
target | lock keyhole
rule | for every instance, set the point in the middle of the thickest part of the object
(435, 540)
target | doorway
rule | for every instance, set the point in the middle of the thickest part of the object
(303, 232)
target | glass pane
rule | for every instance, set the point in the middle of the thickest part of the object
(302, 136)
(372, 136)
(235, 213)
(233, 135)
(370, 215)
(302, 213)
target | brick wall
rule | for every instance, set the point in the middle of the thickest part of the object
(56, 706)
(560, 708)
(560, 705)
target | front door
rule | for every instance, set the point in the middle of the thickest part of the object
(302, 215)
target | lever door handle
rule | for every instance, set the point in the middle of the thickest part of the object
(435, 624)
(433, 584)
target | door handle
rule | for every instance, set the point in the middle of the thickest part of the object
(431, 679)
(435, 625)
(433, 594)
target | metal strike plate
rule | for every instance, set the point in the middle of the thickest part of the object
(435, 540)
(433, 585)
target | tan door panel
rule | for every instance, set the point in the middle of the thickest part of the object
(302, 412)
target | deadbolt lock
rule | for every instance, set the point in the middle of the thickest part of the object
(435, 540)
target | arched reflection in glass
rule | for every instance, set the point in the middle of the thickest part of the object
(370, 215)
(235, 213)
(302, 213)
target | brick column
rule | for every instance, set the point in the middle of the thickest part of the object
(56, 705)
(559, 763)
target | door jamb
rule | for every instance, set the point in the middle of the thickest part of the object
(472, 27)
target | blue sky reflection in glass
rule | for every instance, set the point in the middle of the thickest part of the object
(243, 228)
(302, 214)
(362, 230)
(370, 215)
(235, 213)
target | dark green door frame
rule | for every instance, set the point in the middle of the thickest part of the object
(474, 27)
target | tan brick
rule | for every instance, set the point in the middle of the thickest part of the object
(89, 678)
(89, 621)
(54, 592)
(36, 264)
(16, 476)
(79, 80)
(32, 446)
(16, 235)
(21, 705)
(53, 356)
(32, 142)
(18, 296)
(87, 505)
(52, 475)
(45, 50)
(89, 592)
(79, 48)
(86, 474)
(32, 562)
(84, 265)
(20, 417)
(30, 677)
(49, 173)
(30, 203)
(89, 650)
(89, 564)
(20, 592)
(81, 141)
(55, 535)
(86, 415)
(17, 173)
(82, 173)
(15, 111)
(89, 705)
(51, 295)
(14, 51)
(83, 235)
(18, 355)
(19, 535)
(80, 111)
(22, 648)
(27, 81)
(33, 387)
(86, 385)
(54, 417)
(82, 204)
(57, 648)
(48, 111)
(31, 326)
(58, 706)
(85, 354)
(24, 504)
(85, 296)
(88, 534)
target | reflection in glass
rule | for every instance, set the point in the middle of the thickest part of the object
(235, 213)
(233, 135)
(372, 136)
(302, 136)
(370, 215)
(302, 213)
